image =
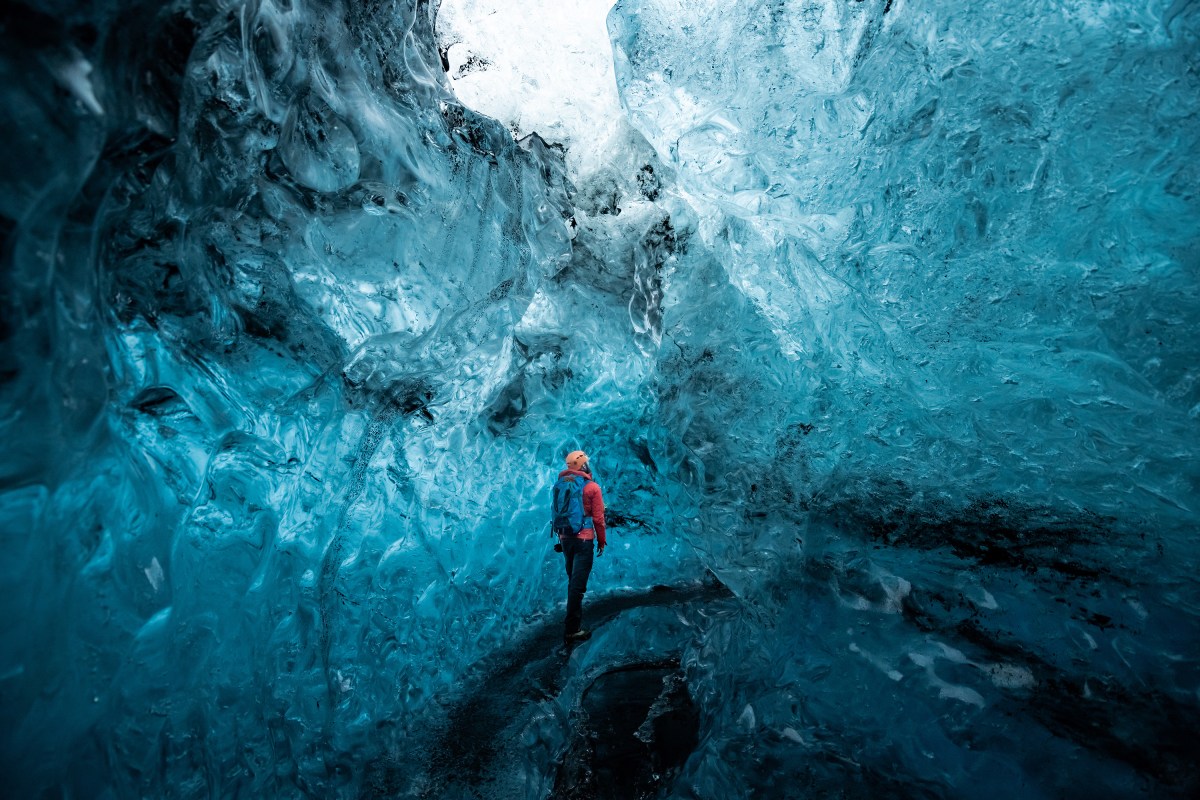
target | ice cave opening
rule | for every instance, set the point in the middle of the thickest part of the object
(878, 319)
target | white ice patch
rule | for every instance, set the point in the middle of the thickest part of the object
(537, 65)
(949, 691)
(946, 690)
(897, 589)
(154, 574)
(980, 597)
(1138, 608)
(747, 719)
(791, 735)
(859, 603)
(76, 76)
(878, 663)
(951, 654)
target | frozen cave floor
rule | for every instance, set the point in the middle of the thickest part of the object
(486, 725)
(630, 723)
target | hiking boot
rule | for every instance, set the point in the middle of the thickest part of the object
(579, 636)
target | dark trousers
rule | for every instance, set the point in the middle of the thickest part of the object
(578, 554)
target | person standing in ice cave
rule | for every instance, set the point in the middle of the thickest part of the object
(577, 518)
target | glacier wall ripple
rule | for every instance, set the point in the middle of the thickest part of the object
(879, 319)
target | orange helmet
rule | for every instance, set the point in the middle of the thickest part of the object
(577, 460)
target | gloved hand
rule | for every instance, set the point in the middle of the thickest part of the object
(600, 551)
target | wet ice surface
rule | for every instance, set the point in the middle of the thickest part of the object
(880, 315)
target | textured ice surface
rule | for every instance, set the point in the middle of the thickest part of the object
(883, 313)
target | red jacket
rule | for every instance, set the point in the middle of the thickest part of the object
(593, 506)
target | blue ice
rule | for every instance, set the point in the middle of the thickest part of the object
(878, 318)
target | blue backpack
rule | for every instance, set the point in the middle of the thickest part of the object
(566, 507)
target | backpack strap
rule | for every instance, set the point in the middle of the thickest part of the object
(587, 519)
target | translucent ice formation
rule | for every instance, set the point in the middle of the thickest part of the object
(878, 318)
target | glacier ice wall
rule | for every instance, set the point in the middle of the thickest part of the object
(973, 224)
(289, 365)
(958, 247)
(882, 313)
